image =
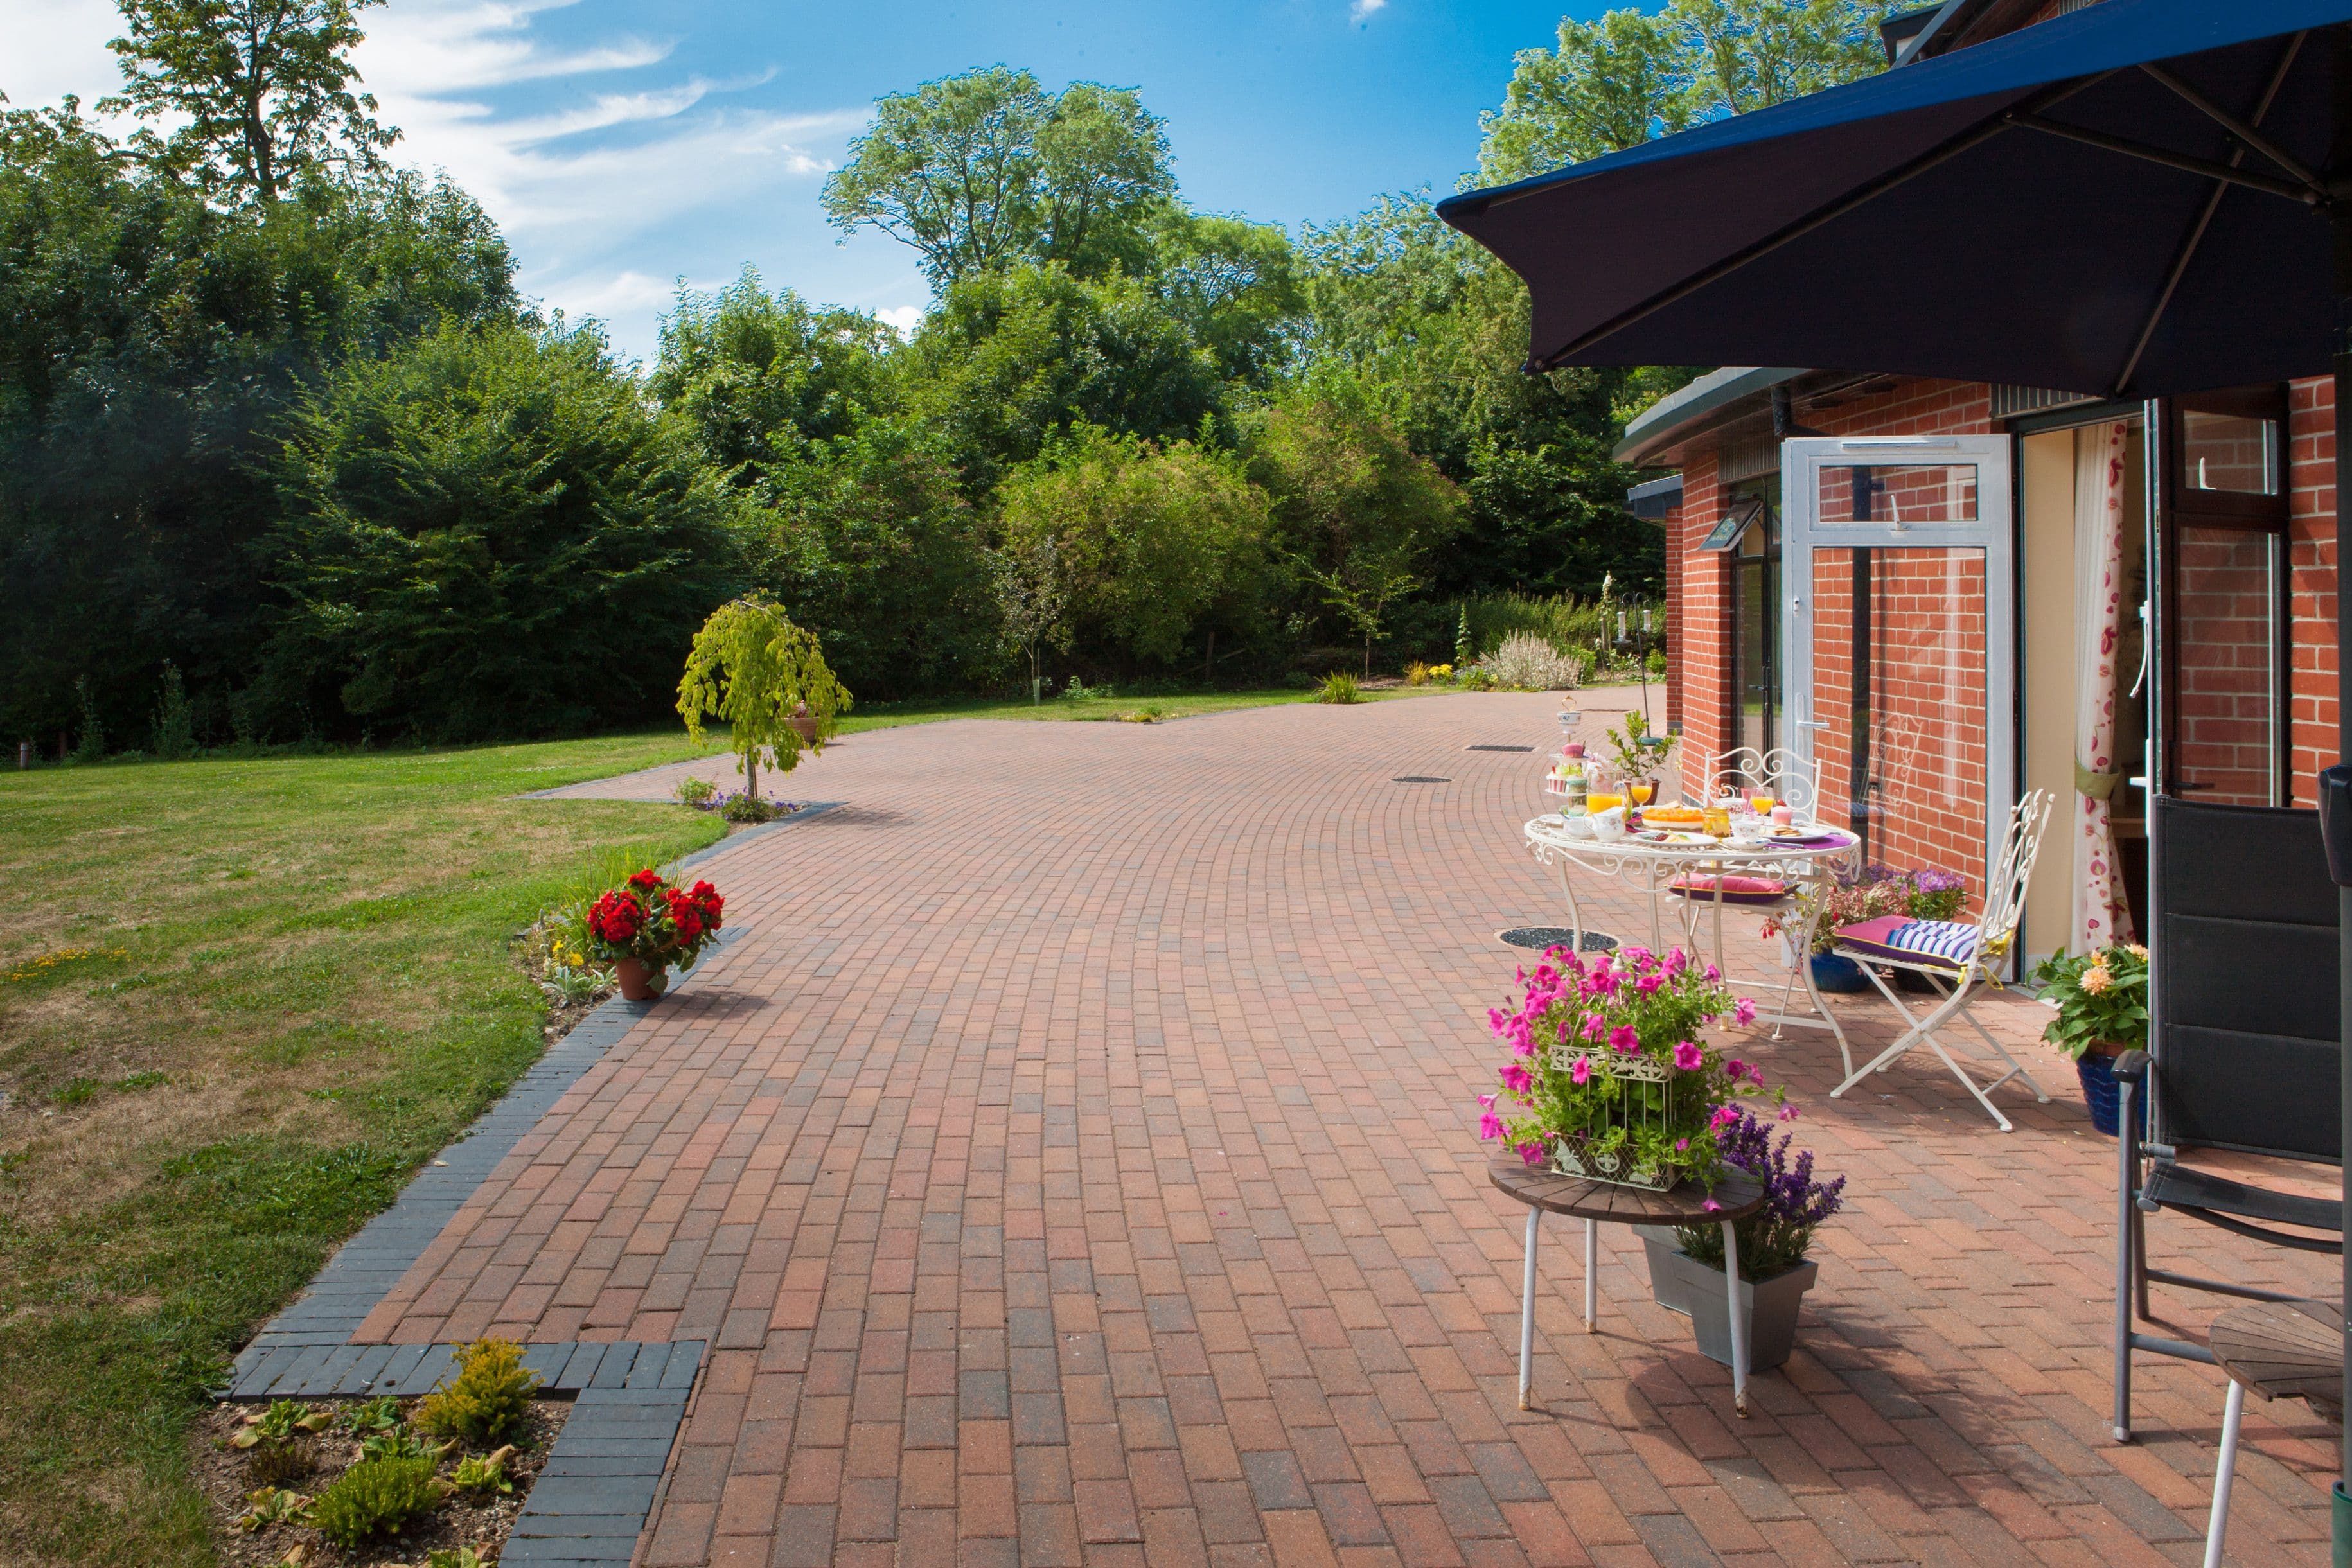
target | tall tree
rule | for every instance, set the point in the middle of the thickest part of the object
(988, 170)
(1616, 82)
(262, 90)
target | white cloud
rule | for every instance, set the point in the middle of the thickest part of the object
(58, 47)
(900, 318)
(1362, 9)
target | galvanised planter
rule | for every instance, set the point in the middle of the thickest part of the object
(1681, 1283)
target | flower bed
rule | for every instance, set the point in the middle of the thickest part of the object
(378, 1482)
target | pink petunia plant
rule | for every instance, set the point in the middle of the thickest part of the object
(1591, 1038)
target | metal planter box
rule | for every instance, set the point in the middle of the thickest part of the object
(1683, 1284)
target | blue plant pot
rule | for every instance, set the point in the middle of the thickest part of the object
(2103, 1095)
(1836, 972)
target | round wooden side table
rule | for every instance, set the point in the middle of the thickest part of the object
(1599, 1202)
(2280, 1350)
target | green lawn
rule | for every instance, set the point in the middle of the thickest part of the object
(887, 716)
(240, 1002)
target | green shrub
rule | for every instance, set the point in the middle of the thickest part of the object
(489, 1397)
(375, 1496)
(484, 1473)
(695, 791)
(750, 809)
(1568, 623)
(175, 719)
(1338, 686)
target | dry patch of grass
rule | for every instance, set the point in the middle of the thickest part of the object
(240, 1002)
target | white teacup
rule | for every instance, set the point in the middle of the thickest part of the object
(1609, 824)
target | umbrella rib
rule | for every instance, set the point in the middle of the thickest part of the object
(1983, 131)
(2243, 132)
(2183, 162)
(2196, 236)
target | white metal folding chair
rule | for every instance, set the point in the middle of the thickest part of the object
(1792, 781)
(1961, 962)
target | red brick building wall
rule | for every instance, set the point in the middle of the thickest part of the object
(1699, 650)
(2311, 585)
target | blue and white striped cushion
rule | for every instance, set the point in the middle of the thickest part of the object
(1949, 940)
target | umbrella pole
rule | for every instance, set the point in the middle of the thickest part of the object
(2342, 1530)
(2340, 217)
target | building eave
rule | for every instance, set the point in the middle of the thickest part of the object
(1691, 408)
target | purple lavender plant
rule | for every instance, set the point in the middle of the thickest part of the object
(1775, 1236)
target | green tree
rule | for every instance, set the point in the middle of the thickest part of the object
(760, 376)
(987, 170)
(1353, 502)
(1611, 84)
(1234, 286)
(1432, 331)
(873, 541)
(1011, 357)
(487, 532)
(752, 667)
(1631, 75)
(1033, 595)
(1150, 537)
(149, 342)
(260, 89)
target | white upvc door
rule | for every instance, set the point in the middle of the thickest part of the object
(1898, 561)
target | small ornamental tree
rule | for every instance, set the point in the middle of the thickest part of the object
(752, 667)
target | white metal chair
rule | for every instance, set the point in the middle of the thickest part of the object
(1957, 961)
(1792, 781)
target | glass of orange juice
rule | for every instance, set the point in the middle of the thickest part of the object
(1598, 803)
(1762, 803)
(1642, 793)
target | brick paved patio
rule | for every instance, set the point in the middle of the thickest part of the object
(1075, 1162)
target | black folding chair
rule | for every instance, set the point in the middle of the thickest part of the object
(2243, 1051)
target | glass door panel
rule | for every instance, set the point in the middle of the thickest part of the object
(1900, 702)
(1900, 638)
(2228, 653)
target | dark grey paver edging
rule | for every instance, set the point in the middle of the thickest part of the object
(734, 841)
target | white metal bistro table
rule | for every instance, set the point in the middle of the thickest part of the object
(1654, 868)
(1545, 1190)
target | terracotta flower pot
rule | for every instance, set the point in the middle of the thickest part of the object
(803, 723)
(640, 981)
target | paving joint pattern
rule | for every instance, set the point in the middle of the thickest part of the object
(1077, 1167)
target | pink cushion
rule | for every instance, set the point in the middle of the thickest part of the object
(1749, 890)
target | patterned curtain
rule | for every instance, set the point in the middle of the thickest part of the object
(2102, 918)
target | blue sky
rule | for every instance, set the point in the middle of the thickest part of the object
(622, 146)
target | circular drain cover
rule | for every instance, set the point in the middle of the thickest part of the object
(1419, 778)
(1542, 936)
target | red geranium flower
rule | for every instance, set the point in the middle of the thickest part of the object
(647, 879)
(616, 917)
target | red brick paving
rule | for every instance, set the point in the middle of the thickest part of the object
(1075, 1164)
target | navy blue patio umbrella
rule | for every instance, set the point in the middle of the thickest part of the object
(2142, 198)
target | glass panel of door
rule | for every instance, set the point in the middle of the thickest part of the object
(1900, 701)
